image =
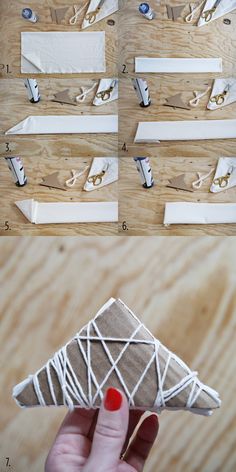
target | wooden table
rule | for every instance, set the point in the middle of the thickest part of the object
(182, 289)
(13, 222)
(142, 210)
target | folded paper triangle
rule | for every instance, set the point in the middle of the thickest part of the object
(116, 349)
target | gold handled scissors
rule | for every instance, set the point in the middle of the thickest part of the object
(208, 14)
(92, 15)
(97, 179)
(224, 180)
(220, 98)
(106, 94)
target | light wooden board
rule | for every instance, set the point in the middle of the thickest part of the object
(12, 24)
(16, 107)
(164, 38)
(142, 210)
(182, 289)
(13, 222)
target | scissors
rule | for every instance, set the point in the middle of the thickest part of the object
(220, 98)
(208, 14)
(106, 94)
(96, 179)
(224, 180)
(92, 15)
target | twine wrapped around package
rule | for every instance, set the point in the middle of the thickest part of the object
(116, 349)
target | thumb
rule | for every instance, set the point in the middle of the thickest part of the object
(110, 433)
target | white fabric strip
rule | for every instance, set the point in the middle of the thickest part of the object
(199, 213)
(99, 164)
(221, 86)
(66, 124)
(225, 165)
(155, 131)
(104, 85)
(68, 212)
(177, 65)
(72, 389)
(62, 53)
(224, 7)
(108, 8)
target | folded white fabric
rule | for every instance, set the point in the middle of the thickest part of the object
(224, 7)
(104, 86)
(225, 87)
(66, 124)
(107, 164)
(178, 65)
(108, 8)
(199, 213)
(62, 53)
(226, 167)
(155, 131)
(68, 212)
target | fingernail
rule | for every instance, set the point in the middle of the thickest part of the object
(113, 400)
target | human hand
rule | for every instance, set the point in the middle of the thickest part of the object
(89, 441)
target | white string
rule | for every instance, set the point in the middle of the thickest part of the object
(72, 390)
(197, 184)
(75, 176)
(85, 91)
(77, 11)
(190, 17)
(198, 95)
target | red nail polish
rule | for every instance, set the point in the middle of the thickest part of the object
(113, 400)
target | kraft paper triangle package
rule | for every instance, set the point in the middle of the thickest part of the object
(116, 349)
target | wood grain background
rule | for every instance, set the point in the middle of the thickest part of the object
(35, 170)
(162, 37)
(143, 209)
(183, 289)
(12, 24)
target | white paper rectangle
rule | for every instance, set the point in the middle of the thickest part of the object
(155, 131)
(199, 213)
(57, 124)
(177, 65)
(62, 53)
(68, 212)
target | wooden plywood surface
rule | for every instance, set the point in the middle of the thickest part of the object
(142, 210)
(182, 289)
(162, 37)
(16, 107)
(12, 25)
(13, 222)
